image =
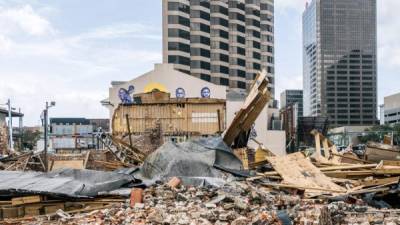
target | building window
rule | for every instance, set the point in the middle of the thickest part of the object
(205, 77)
(200, 14)
(219, 9)
(256, 55)
(256, 34)
(224, 81)
(241, 84)
(224, 58)
(241, 62)
(173, 59)
(179, 33)
(224, 34)
(172, 19)
(241, 51)
(200, 52)
(219, 21)
(224, 69)
(256, 44)
(241, 39)
(200, 65)
(224, 46)
(175, 46)
(200, 39)
(177, 6)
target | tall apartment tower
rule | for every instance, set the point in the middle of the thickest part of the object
(225, 42)
(340, 61)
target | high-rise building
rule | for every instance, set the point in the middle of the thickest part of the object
(225, 42)
(340, 61)
(291, 97)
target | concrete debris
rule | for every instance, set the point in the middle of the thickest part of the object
(3, 139)
(235, 203)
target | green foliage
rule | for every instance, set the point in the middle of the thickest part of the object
(378, 132)
(30, 138)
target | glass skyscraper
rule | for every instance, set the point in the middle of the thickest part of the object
(340, 61)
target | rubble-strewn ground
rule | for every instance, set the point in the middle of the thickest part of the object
(237, 203)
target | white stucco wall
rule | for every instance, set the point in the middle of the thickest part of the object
(392, 101)
(165, 76)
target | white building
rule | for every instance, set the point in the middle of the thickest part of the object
(165, 77)
(392, 109)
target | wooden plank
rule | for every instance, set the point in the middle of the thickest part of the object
(348, 167)
(73, 164)
(32, 210)
(352, 159)
(390, 163)
(389, 171)
(53, 208)
(378, 182)
(349, 174)
(26, 200)
(331, 171)
(295, 169)
(255, 102)
(299, 187)
(86, 160)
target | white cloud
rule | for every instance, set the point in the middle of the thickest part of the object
(389, 32)
(38, 64)
(123, 30)
(23, 19)
(5, 43)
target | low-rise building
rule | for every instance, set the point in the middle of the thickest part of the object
(75, 133)
(165, 78)
(392, 109)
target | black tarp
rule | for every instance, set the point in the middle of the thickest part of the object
(62, 183)
(195, 162)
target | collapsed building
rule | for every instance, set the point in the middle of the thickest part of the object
(208, 179)
(165, 78)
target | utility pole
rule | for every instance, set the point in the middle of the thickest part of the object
(21, 131)
(11, 141)
(46, 134)
(45, 137)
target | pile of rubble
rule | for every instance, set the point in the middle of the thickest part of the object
(236, 203)
(3, 139)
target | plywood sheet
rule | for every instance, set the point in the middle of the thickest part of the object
(73, 164)
(295, 169)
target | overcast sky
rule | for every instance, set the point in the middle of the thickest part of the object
(70, 50)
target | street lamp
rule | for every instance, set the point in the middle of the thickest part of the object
(45, 118)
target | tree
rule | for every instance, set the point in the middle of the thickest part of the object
(30, 139)
(377, 133)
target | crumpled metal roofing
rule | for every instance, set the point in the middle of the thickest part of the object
(63, 182)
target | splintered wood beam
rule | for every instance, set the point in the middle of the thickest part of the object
(378, 182)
